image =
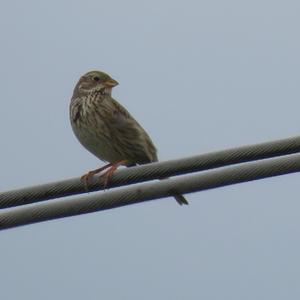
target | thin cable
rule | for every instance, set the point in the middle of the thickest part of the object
(152, 171)
(149, 191)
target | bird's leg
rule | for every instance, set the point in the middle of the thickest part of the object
(112, 168)
(86, 177)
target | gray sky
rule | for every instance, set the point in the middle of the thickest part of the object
(199, 76)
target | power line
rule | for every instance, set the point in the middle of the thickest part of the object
(149, 191)
(153, 171)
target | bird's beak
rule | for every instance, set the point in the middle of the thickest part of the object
(110, 83)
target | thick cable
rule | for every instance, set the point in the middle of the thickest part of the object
(149, 191)
(137, 174)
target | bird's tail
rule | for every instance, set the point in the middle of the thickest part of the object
(179, 198)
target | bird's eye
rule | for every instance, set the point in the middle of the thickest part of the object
(96, 78)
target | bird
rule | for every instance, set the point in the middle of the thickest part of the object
(106, 129)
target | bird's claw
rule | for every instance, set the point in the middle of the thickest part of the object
(106, 177)
(86, 179)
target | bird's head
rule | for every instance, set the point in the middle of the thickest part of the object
(94, 81)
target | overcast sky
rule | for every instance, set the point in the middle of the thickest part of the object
(199, 76)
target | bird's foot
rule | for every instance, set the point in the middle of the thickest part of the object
(106, 177)
(86, 178)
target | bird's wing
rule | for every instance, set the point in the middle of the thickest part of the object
(129, 136)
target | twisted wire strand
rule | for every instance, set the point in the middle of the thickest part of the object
(149, 191)
(152, 171)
